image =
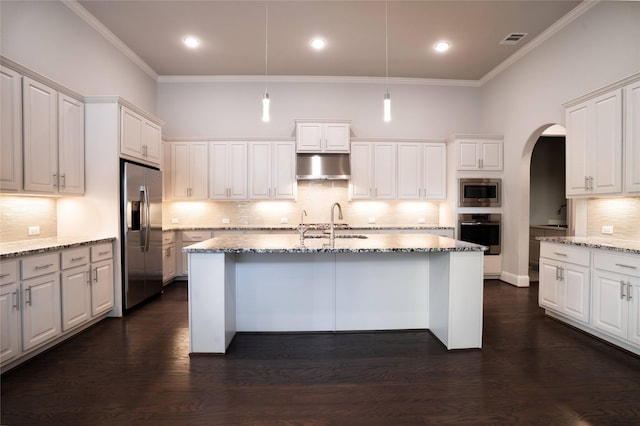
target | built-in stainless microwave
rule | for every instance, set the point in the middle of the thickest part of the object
(479, 192)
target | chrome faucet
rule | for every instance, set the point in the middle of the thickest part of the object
(301, 228)
(332, 234)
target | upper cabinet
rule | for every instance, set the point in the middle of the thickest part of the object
(603, 141)
(373, 170)
(421, 171)
(70, 145)
(140, 138)
(188, 170)
(632, 137)
(272, 170)
(228, 171)
(11, 128)
(317, 136)
(479, 154)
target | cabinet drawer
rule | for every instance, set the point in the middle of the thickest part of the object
(565, 253)
(101, 252)
(620, 263)
(168, 237)
(75, 257)
(8, 272)
(35, 266)
(195, 236)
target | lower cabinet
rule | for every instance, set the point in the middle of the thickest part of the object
(168, 256)
(59, 292)
(593, 289)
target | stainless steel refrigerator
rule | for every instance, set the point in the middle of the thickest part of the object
(141, 238)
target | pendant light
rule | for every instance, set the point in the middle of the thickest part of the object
(387, 98)
(265, 97)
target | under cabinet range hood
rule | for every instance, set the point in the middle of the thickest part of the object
(323, 166)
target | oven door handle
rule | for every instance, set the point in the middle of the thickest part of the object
(473, 223)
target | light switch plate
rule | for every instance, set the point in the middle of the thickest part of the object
(226, 221)
(421, 220)
(607, 229)
(372, 220)
(175, 220)
(34, 230)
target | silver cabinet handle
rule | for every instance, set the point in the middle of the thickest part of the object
(95, 275)
(560, 254)
(64, 180)
(629, 291)
(27, 301)
(622, 284)
(16, 296)
(102, 253)
(76, 259)
(480, 163)
(4, 275)
(622, 265)
(89, 276)
(38, 267)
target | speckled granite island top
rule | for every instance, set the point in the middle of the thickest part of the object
(291, 228)
(344, 243)
(624, 246)
(42, 245)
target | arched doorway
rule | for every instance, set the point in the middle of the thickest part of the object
(548, 207)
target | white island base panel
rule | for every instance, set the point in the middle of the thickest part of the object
(270, 292)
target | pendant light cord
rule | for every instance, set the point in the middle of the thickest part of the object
(386, 44)
(266, 43)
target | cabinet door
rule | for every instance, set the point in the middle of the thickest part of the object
(40, 137)
(179, 171)
(576, 292)
(168, 262)
(308, 137)
(609, 305)
(361, 170)
(40, 310)
(468, 155)
(384, 173)
(434, 172)
(606, 162)
(634, 311)
(71, 145)
(632, 138)
(132, 133)
(237, 170)
(9, 321)
(11, 130)
(218, 163)
(284, 170)
(410, 168)
(76, 297)
(549, 287)
(336, 136)
(577, 152)
(491, 155)
(260, 170)
(198, 171)
(152, 142)
(102, 287)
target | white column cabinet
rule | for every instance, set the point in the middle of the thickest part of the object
(632, 138)
(140, 138)
(10, 308)
(70, 145)
(594, 145)
(11, 130)
(272, 170)
(75, 287)
(373, 170)
(189, 171)
(421, 171)
(228, 171)
(323, 136)
(102, 289)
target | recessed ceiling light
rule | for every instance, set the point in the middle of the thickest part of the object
(442, 46)
(191, 42)
(318, 43)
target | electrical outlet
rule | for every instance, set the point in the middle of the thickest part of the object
(226, 221)
(175, 220)
(34, 230)
(607, 229)
(421, 220)
(372, 220)
(284, 220)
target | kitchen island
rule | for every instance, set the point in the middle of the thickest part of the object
(273, 283)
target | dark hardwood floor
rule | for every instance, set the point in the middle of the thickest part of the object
(136, 370)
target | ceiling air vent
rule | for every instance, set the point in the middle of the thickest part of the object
(513, 38)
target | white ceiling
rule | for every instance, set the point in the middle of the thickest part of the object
(233, 35)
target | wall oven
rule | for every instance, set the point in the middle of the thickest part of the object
(481, 228)
(479, 192)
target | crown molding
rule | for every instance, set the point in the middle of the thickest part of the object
(111, 37)
(542, 37)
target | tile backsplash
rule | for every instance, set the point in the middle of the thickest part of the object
(315, 197)
(623, 214)
(17, 214)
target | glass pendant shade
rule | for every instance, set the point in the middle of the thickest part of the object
(387, 106)
(265, 107)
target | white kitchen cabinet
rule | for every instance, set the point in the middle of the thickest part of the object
(140, 138)
(479, 154)
(168, 256)
(41, 319)
(373, 170)
(616, 295)
(10, 309)
(189, 167)
(565, 281)
(102, 279)
(71, 168)
(11, 130)
(188, 238)
(594, 145)
(331, 136)
(421, 171)
(632, 138)
(272, 170)
(75, 287)
(228, 171)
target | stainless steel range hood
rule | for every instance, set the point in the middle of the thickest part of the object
(323, 166)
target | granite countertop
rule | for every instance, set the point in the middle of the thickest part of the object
(294, 228)
(42, 245)
(624, 246)
(373, 243)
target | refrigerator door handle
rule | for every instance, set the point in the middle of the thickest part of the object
(147, 218)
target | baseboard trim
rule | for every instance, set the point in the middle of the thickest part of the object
(515, 280)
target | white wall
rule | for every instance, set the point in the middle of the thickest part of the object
(226, 110)
(598, 48)
(50, 39)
